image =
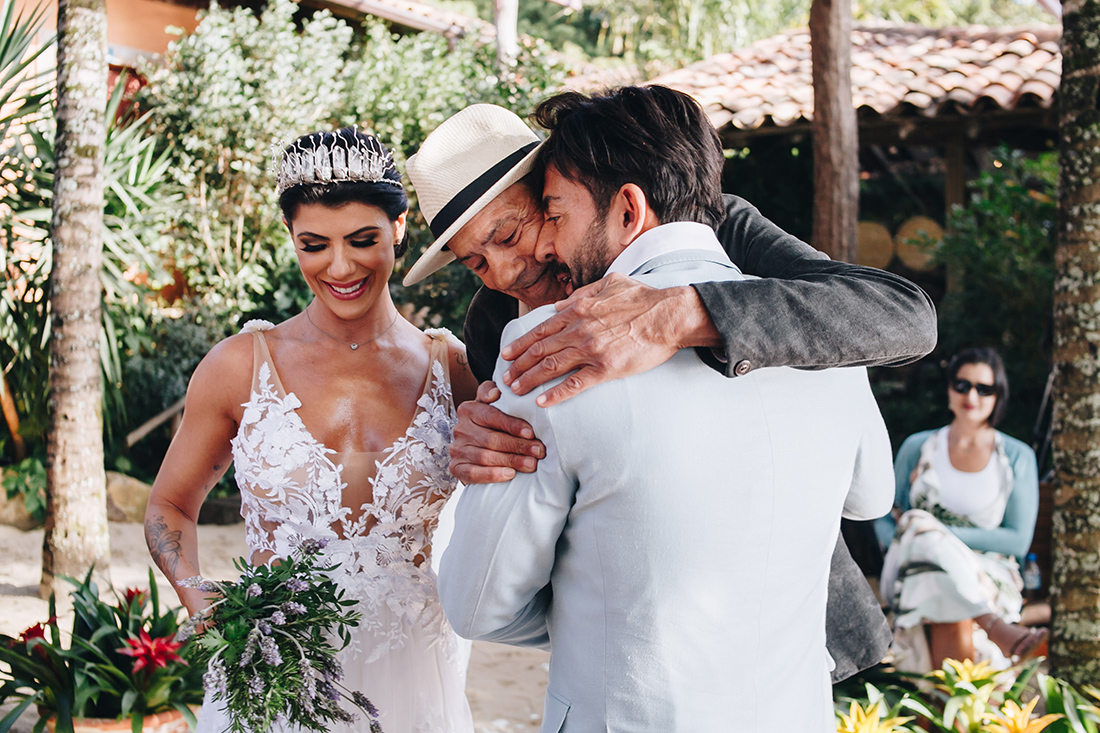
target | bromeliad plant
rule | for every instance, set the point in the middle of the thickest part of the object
(122, 661)
(964, 697)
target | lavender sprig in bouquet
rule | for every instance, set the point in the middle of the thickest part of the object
(268, 650)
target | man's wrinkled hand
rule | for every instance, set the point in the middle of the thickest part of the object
(490, 446)
(610, 329)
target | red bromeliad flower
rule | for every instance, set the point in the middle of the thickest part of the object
(38, 631)
(133, 594)
(149, 652)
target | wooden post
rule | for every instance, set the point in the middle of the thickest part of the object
(954, 190)
(836, 135)
(955, 183)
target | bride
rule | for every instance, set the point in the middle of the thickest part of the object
(337, 422)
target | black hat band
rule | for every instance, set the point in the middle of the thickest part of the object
(465, 198)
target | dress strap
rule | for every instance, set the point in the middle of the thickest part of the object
(438, 353)
(261, 354)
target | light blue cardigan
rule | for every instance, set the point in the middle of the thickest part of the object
(1013, 537)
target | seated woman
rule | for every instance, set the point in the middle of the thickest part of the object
(964, 510)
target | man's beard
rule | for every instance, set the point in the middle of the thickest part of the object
(592, 256)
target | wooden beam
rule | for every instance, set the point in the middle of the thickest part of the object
(835, 131)
(1032, 128)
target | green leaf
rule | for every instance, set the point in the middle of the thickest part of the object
(9, 720)
(128, 699)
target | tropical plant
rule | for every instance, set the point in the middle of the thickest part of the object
(133, 172)
(938, 13)
(870, 719)
(964, 697)
(122, 661)
(998, 251)
(23, 91)
(27, 480)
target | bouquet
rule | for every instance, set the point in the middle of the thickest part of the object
(268, 650)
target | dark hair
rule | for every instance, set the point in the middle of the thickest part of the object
(992, 359)
(391, 199)
(654, 137)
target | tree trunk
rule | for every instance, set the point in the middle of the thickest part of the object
(835, 134)
(506, 18)
(76, 497)
(1075, 651)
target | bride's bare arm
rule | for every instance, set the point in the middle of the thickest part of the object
(197, 458)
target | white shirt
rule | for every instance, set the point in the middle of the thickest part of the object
(965, 493)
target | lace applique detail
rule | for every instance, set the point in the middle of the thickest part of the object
(291, 489)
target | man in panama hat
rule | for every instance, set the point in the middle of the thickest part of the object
(477, 187)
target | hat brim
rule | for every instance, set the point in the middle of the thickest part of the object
(436, 256)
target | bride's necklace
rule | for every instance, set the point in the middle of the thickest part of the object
(349, 344)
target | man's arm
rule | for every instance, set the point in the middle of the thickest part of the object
(870, 495)
(807, 311)
(823, 313)
(494, 577)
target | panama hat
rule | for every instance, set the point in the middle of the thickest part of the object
(463, 165)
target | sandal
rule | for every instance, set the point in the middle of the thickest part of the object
(1032, 644)
(1015, 641)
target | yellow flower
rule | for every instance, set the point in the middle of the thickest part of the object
(1014, 719)
(859, 720)
(965, 671)
(1095, 694)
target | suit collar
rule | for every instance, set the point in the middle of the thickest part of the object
(667, 239)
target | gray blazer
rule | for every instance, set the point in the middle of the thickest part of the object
(674, 560)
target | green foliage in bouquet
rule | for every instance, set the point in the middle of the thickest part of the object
(268, 647)
(122, 661)
(964, 697)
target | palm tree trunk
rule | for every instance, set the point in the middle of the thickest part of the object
(76, 509)
(1075, 651)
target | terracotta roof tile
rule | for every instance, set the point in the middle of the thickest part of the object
(896, 71)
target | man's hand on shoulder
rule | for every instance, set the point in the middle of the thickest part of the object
(610, 329)
(489, 446)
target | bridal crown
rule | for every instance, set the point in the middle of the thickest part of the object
(330, 157)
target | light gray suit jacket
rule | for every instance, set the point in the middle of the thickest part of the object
(675, 561)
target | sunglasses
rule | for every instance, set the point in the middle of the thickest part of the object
(963, 386)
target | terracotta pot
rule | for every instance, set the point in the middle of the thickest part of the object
(169, 722)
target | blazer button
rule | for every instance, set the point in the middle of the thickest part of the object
(742, 367)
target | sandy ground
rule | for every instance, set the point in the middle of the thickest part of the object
(505, 685)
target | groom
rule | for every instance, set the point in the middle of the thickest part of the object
(676, 561)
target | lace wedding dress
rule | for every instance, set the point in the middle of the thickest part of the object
(377, 512)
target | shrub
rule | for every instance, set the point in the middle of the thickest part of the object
(240, 84)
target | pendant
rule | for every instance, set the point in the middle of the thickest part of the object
(354, 346)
